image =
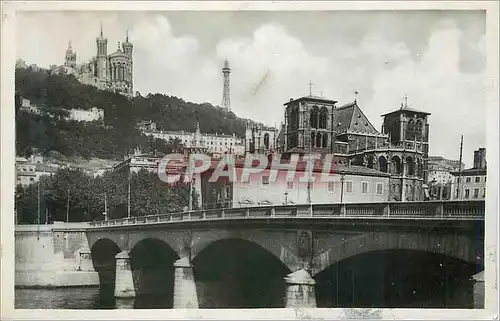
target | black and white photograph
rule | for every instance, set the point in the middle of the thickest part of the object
(223, 157)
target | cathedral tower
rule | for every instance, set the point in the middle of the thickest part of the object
(226, 94)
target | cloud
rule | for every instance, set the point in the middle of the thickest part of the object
(275, 62)
(437, 85)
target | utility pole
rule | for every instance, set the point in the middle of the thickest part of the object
(460, 166)
(128, 214)
(38, 216)
(342, 188)
(190, 205)
(67, 207)
(105, 207)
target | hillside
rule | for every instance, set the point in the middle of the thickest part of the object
(117, 135)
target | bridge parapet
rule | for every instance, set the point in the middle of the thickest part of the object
(453, 210)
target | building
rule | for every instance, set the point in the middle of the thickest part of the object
(146, 126)
(139, 160)
(343, 184)
(81, 115)
(317, 125)
(440, 169)
(440, 177)
(28, 107)
(471, 183)
(113, 72)
(214, 144)
(29, 171)
(260, 139)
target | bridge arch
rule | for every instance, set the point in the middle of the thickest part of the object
(462, 247)
(264, 239)
(396, 278)
(103, 252)
(152, 263)
(238, 273)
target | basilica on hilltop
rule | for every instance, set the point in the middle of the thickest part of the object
(113, 72)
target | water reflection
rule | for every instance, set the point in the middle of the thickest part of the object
(83, 299)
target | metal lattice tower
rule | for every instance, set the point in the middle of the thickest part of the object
(226, 94)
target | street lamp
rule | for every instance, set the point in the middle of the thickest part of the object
(286, 198)
(341, 188)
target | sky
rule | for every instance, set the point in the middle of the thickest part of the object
(436, 58)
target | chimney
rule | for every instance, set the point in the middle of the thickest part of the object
(482, 157)
(477, 159)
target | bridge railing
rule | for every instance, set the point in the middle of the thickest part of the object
(427, 210)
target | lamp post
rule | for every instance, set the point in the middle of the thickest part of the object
(105, 207)
(342, 189)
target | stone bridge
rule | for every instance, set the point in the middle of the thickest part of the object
(290, 255)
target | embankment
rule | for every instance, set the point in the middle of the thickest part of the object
(55, 255)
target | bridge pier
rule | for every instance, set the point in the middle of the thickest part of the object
(185, 296)
(479, 292)
(85, 259)
(124, 281)
(300, 291)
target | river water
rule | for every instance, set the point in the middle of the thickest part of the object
(78, 298)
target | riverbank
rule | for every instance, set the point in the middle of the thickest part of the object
(53, 256)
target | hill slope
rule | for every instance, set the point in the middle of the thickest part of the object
(117, 135)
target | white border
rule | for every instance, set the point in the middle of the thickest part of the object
(7, 159)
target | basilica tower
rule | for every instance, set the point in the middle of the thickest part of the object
(128, 49)
(70, 58)
(102, 51)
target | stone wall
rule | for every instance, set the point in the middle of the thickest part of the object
(52, 256)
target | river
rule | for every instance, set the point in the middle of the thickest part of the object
(79, 299)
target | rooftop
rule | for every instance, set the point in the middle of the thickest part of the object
(312, 98)
(406, 109)
(471, 172)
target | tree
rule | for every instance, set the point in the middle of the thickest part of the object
(56, 93)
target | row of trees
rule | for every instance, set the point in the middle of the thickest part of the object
(72, 195)
(117, 134)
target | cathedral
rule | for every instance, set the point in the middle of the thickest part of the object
(113, 72)
(317, 125)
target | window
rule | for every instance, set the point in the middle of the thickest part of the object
(485, 178)
(289, 185)
(265, 180)
(477, 179)
(31, 179)
(349, 186)
(476, 192)
(379, 188)
(331, 186)
(364, 187)
(484, 192)
(467, 180)
(467, 193)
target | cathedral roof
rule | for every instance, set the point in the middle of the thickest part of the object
(350, 117)
(118, 54)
